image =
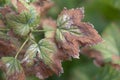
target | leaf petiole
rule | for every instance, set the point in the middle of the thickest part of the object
(41, 30)
(21, 47)
(4, 29)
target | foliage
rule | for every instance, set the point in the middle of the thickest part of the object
(33, 47)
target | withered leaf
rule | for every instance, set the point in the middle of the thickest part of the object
(72, 33)
(14, 71)
(6, 46)
(39, 69)
(5, 10)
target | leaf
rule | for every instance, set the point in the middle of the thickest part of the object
(108, 73)
(40, 70)
(42, 6)
(7, 47)
(31, 54)
(72, 33)
(107, 51)
(14, 71)
(49, 26)
(20, 5)
(45, 51)
(2, 25)
(5, 10)
(22, 24)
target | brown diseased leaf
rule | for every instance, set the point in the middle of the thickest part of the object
(39, 69)
(6, 48)
(90, 35)
(5, 10)
(72, 33)
(17, 76)
(98, 58)
(47, 60)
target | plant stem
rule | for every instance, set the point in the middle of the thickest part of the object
(21, 48)
(41, 30)
(33, 41)
(4, 29)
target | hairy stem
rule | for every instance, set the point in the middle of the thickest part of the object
(21, 48)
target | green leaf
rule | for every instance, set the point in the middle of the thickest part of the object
(12, 65)
(108, 73)
(14, 70)
(31, 54)
(45, 49)
(49, 31)
(22, 24)
(4, 36)
(45, 56)
(110, 48)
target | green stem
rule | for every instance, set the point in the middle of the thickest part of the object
(33, 41)
(21, 48)
(4, 29)
(41, 30)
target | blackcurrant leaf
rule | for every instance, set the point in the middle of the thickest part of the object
(109, 49)
(49, 26)
(22, 24)
(72, 33)
(45, 50)
(14, 70)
